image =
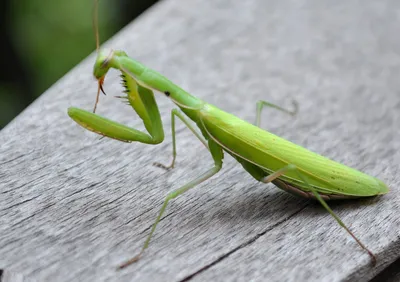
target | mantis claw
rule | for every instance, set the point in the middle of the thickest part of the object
(295, 108)
(130, 261)
(160, 165)
(101, 88)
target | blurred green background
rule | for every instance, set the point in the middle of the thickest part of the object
(43, 39)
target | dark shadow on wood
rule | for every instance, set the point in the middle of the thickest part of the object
(390, 274)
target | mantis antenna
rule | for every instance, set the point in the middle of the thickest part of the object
(95, 25)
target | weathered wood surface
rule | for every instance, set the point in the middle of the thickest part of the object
(73, 207)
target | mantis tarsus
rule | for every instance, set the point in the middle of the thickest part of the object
(267, 157)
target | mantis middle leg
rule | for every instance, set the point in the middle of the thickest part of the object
(261, 104)
(177, 113)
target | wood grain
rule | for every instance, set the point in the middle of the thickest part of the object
(73, 206)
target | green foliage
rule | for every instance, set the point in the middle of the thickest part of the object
(50, 37)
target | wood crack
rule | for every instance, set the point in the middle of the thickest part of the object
(241, 246)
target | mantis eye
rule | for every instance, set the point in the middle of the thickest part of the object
(104, 64)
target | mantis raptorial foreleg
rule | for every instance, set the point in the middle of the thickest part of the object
(292, 167)
(177, 113)
(144, 103)
(261, 104)
(217, 154)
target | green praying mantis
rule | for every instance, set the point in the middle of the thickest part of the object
(265, 156)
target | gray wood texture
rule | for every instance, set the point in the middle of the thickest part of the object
(73, 206)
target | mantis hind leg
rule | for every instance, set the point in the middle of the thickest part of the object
(291, 167)
(177, 113)
(261, 104)
(217, 154)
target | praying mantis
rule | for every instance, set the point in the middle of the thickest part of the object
(265, 156)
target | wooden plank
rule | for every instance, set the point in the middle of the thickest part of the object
(73, 207)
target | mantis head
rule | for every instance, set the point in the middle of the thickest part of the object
(102, 65)
(100, 69)
(106, 59)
